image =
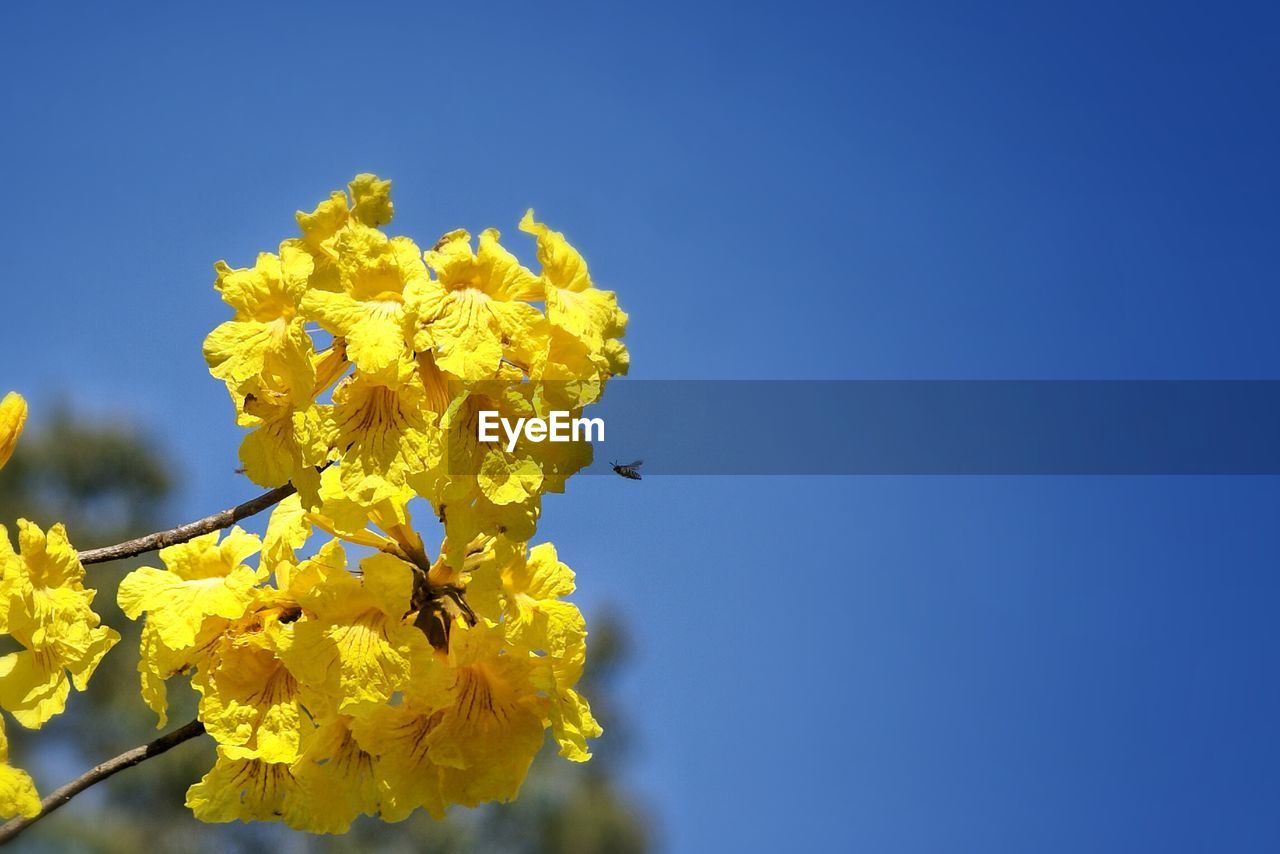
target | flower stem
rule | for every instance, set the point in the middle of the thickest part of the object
(97, 774)
(191, 530)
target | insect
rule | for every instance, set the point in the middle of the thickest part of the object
(629, 470)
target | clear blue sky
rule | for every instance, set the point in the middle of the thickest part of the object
(790, 190)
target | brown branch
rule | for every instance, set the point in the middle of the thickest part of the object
(191, 530)
(128, 759)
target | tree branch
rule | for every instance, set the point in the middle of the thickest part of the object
(128, 759)
(191, 530)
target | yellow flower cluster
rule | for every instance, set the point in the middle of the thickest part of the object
(416, 344)
(46, 609)
(337, 686)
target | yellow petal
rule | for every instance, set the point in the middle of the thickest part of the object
(157, 662)
(250, 704)
(51, 560)
(177, 608)
(266, 291)
(376, 330)
(32, 688)
(323, 223)
(248, 353)
(359, 662)
(572, 724)
(561, 263)
(407, 778)
(383, 430)
(204, 578)
(13, 415)
(337, 779)
(247, 790)
(17, 791)
(371, 200)
(287, 531)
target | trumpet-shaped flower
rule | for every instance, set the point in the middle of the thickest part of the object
(370, 205)
(483, 488)
(336, 691)
(288, 441)
(249, 701)
(378, 276)
(265, 343)
(382, 430)
(337, 778)
(492, 723)
(353, 644)
(248, 790)
(203, 577)
(158, 662)
(477, 309)
(398, 736)
(524, 590)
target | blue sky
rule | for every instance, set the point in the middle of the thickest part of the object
(799, 190)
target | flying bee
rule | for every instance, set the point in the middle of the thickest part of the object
(629, 470)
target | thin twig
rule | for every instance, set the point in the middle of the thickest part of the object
(128, 759)
(182, 533)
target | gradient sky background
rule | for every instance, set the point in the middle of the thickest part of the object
(897, 190)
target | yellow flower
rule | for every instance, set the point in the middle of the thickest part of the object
(248, 790)
(481, 487)
(378, 275)
(469, 514)
(189, 606)
(492, 724)
(398, 737)
(337, 778)
(288, 441)
(504, 477)
(571, 721)
(13, 415)
(265, 344)
(400, 683)
(249, 701)
(568, 375)
(287, 531)
(352, 644)
(371, 206)
(477, 309)
(17, 791)
(203, 578)
(348, 504)
(573, 303)
(382, 431)
(524, 590)
(466, 732)
(371, 200)
(46, 609)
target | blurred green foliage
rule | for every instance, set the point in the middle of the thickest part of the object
(108, 483)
